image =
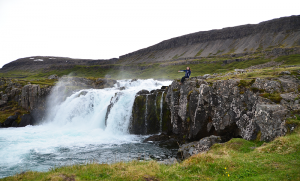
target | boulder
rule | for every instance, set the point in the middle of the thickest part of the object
(9, 121)
(285, 73)
(26, 120)
(271, 121)
(2, 103)
(53, 76)
(270, 86)
(189, 149)
(4, 97)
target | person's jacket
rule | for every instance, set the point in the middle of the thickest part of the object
(187, 73)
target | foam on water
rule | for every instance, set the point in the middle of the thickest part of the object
(74, 130)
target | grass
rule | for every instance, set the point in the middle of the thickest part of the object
(199, 53)
(237, 159)
(153, 70)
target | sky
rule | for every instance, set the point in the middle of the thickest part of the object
(103, 29)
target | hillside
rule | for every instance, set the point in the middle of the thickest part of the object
(214, 51)
(241, 40)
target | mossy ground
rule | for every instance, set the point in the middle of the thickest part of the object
(118, 71)
(237, 159)
(11, 109)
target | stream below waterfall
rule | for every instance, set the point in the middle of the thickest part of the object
(75, 130)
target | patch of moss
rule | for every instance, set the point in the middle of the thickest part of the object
(258, 136)
(255, 90)
(188, 119)
(199, 53)
(275, 97)
(189, 94)
(174, 90)
(246, 83)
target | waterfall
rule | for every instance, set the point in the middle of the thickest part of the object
(161, 111)
(79, 126)
(146, 112)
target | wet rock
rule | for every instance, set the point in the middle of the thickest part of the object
(189, 149)
(104, 83)
(142, 92)
(9, 121)
(107, 76)
(26, 120)
(137, 123)
(113, 101)
(169, 141)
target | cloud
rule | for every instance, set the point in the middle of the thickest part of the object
(106, 29)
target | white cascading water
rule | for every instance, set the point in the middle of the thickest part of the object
(74, 130)
(161, 111)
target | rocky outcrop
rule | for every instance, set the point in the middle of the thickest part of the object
(147, 113)
(255, 109)
(226, 108)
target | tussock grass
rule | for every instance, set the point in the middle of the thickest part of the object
(237, 159)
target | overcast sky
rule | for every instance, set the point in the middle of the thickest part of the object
(103, 29)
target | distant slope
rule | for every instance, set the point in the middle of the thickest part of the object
(48, 62)
(282, 32)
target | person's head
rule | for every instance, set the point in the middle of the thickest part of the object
(188, 68)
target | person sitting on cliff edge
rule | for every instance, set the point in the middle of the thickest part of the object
(187, 74)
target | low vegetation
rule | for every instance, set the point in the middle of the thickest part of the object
(154, 70)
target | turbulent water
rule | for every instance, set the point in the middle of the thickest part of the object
(74, 132)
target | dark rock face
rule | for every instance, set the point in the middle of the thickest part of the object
(9, 121)
(148, 117)
(228, 109)
(26, 120)
(113, 101)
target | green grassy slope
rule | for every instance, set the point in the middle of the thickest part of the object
(154, 71)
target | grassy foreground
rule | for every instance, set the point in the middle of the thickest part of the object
(237, 159)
